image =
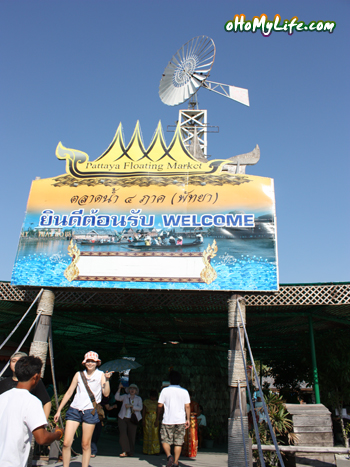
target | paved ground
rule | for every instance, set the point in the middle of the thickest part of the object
(203, 459)
(109, 451)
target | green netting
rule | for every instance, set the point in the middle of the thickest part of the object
(80, 326)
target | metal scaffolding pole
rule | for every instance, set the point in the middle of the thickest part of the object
(314, 362)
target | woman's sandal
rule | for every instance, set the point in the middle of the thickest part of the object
(123, 454)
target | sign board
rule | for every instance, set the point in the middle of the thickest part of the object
(155, 218)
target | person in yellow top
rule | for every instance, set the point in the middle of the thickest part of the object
(151, 443)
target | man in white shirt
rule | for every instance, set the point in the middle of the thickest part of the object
(21, 415)
(177, 411)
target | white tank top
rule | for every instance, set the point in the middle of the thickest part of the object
(81, 399)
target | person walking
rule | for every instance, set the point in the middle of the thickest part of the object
(22, 415)
(131, 408)
(82, 409)
(176, 403)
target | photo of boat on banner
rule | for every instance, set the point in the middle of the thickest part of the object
(176, 238)
(240, 255)
(140, 239)
(197, 226)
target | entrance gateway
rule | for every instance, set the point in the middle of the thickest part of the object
(162, 220)
(147, 320)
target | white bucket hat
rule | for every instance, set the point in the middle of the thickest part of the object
(91, 356)
(135, 386)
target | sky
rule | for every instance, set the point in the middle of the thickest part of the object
(71, 71)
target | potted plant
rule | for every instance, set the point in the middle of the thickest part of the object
(281, 425)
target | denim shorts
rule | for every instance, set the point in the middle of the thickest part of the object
(82, 416)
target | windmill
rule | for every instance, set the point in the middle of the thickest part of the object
(187, 72)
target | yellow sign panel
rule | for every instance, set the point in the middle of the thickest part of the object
(133, 203)
(133, 160)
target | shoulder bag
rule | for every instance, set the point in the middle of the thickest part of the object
(98, 407)
(133, 417)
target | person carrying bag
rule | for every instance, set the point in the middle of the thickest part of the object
(128, 418)
(98, 407)
(83, 408)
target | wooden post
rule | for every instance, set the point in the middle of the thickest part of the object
(236, 457)
(40, 344)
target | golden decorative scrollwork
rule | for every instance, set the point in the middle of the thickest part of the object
(208, 274)
(220, 179)
(72, 271)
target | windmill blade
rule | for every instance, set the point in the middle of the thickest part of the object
(189, 69)
(195, 57)
(232, 92)
(239, 95)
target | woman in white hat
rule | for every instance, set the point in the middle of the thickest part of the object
(82, 409)
(132, 404)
